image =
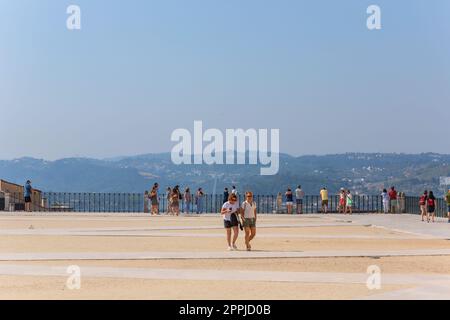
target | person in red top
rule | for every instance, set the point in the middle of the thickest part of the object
(393, 199)
(423, 205)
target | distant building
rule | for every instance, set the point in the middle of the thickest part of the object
(12, 197)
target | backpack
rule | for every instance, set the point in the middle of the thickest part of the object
(422, 200)
(430, 202)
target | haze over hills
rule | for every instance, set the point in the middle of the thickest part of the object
(365, 173)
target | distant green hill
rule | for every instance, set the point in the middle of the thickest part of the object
(361, 172)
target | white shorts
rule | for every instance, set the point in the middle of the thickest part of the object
(289, 203)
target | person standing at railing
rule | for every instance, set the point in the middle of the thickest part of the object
(175, 197)
(235, 192)
(169, 200)
(342, 201)
(349, 203)
(154, 201)
(324, 197)
(393, 200)
(199, 200)
(289, 200)
(27, 195)
(226, 194)
(187, 200)
(431, 204)
(423, 206)
(447, 198)
(385, 199)
(299, 194)
(401, 202)
(279, 203)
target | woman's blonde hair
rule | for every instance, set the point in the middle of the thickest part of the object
(232, 197)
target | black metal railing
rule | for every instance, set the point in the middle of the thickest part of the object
(139, 203)
(16, 202)
(94, 202)
(412, 206)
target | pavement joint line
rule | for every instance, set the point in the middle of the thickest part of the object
(161, 255)
(126, 233)
(423, 292)
(422, 235)
(263, 226)
(226, 274)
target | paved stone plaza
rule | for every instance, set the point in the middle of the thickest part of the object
(133, 256)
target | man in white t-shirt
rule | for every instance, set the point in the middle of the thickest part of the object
(249, 217)
(299, 199)
(230, 220)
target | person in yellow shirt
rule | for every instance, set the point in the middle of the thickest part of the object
(324, 196)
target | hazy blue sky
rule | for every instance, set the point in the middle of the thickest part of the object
(140, 69)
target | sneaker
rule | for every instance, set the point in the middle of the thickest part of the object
(230, 249)
(235, 247)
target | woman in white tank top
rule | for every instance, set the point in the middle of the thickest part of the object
(249, 216)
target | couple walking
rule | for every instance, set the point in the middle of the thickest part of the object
(233, 214)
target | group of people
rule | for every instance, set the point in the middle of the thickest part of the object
(235, 216)
(392, 200)
(428, 204)
(226, 193)
(345, 200)
(239, 216)
(174, 197)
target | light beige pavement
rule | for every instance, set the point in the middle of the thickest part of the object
(123, 256)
